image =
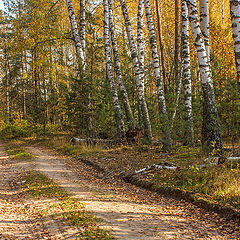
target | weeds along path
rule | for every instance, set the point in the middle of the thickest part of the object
(130, 212)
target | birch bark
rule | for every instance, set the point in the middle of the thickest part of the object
(161, 99)
(235, 16)
(161, 47)
(204, 25)
(187, 76)
(211, 135)
(117, 108)
(122, 87)
(138, 74)
(83, 29)
(176, 49)
(76, 36)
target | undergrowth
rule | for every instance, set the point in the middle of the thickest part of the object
(68, 209)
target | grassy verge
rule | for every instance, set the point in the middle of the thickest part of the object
(68, 209)
(18, 152)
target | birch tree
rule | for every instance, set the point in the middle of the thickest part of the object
(83, 29)
(138, 74)
(117, 108)
(161, 46)
(204, 24)
(187, 75)
(161, 99)
(235, 16)
(122, 87)
(75, 32)
(211, 135)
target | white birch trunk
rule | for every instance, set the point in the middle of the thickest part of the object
(211, 128)
(138, 74)
(122, 87)
(117, 108)
(140, 36)
(204, 25)
(187, 75)
(161, 99)
(83, 29)
(76, 36)
(235, 16)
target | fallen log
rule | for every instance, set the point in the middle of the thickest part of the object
(164, 165)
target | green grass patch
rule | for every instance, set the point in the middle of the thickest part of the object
(68, 209)
(18, 152)
(41, 186)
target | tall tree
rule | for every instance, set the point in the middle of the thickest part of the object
(82, 28)
(75, 32)
(161, 46)
(235, 16)
(138, 74)
(211, 135)
(117, 108)
(167, 145)
(204, 24)
(188, 137)
(122, 87)
(176, 48)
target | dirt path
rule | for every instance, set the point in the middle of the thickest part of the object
(20, 215)
(132, 213)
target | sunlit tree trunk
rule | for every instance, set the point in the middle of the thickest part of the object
(176, 48)
(122, 87)
(83, 29)
(23, 86)
(235, 16)
(188, 139)
(117, 108)
(204, 24)
(211, 135)
(161, 46)
(76, 36)
(161, 99)
(138, 74)
(140, 49)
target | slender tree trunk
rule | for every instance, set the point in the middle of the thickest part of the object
(161, 99)
(83, 29)
(138, 74)
(140, 52)
(188, 140)
(122, 87)
(176, 49)
(235, 16)
(76, 36)
(211, 135)
(161, 46)
(204, 25)
(23, 87)
(117, 108)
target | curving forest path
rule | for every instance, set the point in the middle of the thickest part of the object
(130, 212)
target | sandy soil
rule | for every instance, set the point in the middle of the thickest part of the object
(130, 212)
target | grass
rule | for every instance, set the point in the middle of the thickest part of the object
(218, 184)
(68, 209)
(18, 152)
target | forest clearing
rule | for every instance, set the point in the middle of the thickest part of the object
(120, 119)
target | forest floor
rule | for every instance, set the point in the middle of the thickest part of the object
(128, 211)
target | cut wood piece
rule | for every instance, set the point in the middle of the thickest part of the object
(164, 165)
